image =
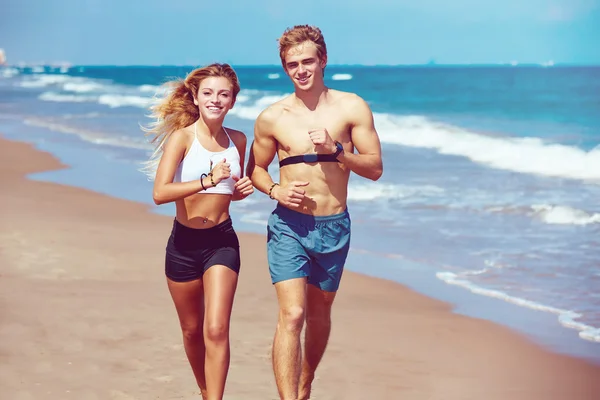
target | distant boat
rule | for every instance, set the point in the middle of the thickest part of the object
(2, 57)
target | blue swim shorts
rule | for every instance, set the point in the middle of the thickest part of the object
(301, 245)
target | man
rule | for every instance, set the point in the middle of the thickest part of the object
(314, 133)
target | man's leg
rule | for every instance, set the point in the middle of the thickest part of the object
(318, 327)
(291, 295)
(329, 249)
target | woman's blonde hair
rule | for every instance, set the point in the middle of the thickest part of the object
(176, 109)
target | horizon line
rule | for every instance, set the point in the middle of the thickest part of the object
(429, 65)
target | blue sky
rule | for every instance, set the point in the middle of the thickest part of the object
(176, 32)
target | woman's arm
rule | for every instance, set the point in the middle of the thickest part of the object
(165, 190)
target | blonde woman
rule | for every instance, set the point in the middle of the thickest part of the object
(199, 166)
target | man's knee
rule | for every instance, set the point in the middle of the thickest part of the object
(319, 320)
(292, 318)
(319, 306)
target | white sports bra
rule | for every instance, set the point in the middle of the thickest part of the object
(200, 161)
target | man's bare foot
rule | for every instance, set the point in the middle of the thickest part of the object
(304, 390)
(305, 385)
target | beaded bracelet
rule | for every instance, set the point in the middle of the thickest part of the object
(211, 179)
(271, 190)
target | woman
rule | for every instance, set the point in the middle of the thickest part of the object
(199, 168)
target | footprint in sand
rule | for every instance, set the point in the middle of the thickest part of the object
(118, 395)
(164, 379)
(268, 352)
(139, 365)
(24, 396)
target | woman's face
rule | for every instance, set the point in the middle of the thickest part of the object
(214, 98)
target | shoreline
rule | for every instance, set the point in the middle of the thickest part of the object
(64, 256)
(95, 171)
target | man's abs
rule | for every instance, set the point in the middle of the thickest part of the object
(327, 189)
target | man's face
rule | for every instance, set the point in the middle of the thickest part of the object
(303, 65)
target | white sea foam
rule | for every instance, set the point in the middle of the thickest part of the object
(82, 87)
(61, 98)
(64, 88)
(95, 137)
(341, 77)
(9, 72)
(373, 191)
(524, 155)
(148, 88)
(111, 100)
(40, 81)
(115, 100)
(255, 218)
(553, 214)
(252, 111)
(241, 99)
(566, 318)
(273, 76)
(564, 215)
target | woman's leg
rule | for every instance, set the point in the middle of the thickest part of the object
(189, 302)
(220, 283)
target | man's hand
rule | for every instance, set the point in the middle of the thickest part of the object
(243, 187)
(291, 195)
(323, 142)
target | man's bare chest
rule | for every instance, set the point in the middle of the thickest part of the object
(292, 132)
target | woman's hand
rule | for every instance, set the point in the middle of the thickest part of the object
(220, 172)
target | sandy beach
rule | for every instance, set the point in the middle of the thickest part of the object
(85, 314)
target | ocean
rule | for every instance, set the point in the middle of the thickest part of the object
(489, 198)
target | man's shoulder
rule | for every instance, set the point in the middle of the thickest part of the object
(349, 104)
(273, 112)
(345, 98)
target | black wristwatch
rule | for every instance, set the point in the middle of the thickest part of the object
(338, 149)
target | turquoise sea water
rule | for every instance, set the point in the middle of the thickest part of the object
(491, 182)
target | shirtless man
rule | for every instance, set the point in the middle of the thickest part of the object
(314, 133)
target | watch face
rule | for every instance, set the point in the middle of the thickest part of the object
(339, 148)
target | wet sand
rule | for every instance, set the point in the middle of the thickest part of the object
(85, 314)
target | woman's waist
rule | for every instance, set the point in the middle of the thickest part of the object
(201, 211)
(191, 238)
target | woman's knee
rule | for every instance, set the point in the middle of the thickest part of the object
(192, 332)
(216, 331)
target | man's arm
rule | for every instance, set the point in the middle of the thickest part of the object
(367, 163)
(262, 152)
(243, 186)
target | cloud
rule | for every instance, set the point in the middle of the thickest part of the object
(564, 11)
(558, 13)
